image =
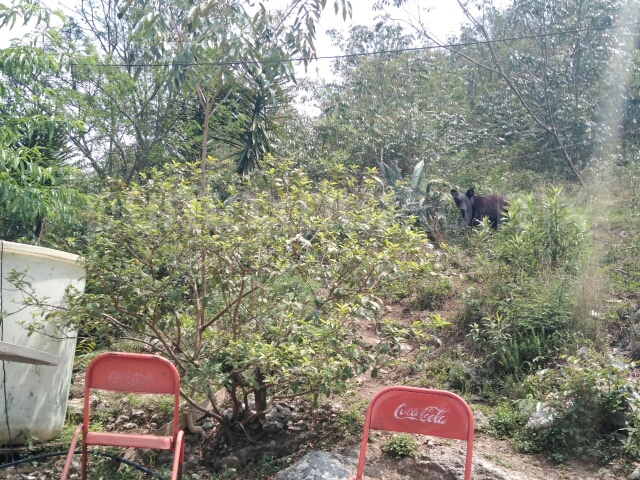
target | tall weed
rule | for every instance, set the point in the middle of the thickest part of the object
(521, 315)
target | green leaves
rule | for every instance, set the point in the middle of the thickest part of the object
(26, 12)
(228, 58)
(540, 236)
(33, 129)
(26, 63)
(264, 293)
(338, 5)
(592, 402)
(401, 445)
(29, 191)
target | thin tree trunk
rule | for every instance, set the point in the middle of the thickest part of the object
(203, 153)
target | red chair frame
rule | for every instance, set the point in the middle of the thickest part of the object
(420, 411)
(131, 373)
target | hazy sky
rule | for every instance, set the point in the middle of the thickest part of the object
(443, 18)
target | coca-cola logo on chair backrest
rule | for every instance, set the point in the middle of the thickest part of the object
(421, 414)
(427, 414)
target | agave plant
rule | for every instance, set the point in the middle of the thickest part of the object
(426, 203)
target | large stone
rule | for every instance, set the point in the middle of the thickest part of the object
(320, 466)
(191, 462)
(273, 427)
(448, 464)
(229, 462)
(480, 419)
(229, 473)
(439, 463)
(206, 426)
(541, 419)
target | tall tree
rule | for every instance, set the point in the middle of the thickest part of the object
(552, 80)
(239, 52)
(34, 128)
(398, 107)
(131, 123)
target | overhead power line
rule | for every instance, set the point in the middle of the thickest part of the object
(368, 54)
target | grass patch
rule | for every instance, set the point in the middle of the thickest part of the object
(401, 445)
(349, 423)
(66, 435)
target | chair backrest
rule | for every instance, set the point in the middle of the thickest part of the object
(421, 411)
(132, 373)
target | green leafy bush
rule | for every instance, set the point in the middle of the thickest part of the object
(259, 295)
(350, 423)
(401, 445)
(507, 421)
(463, 377)
(623, 259)
(428, 202)
(431, 295)
(528, 329)
(36, 189)
(539, 236)
(393, 334)
(474, 307)
(521, 314)
(593, 405)
(408, 346)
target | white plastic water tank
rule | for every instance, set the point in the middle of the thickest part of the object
(36, 395)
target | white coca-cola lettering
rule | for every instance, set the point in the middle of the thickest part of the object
(426, 415)
(433, 415)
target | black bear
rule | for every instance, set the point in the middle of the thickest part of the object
(474, 208)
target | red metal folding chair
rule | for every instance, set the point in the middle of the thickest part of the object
(419, 410)
(131, 373)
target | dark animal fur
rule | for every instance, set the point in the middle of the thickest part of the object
(491, 206)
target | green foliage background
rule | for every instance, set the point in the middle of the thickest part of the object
(250, 242)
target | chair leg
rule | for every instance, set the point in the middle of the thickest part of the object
(178, 457)
(72, 448)
(84, 460)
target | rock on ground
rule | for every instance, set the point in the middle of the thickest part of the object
(441, 464)
(319, 466)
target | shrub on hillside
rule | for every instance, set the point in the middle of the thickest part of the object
(433, 293)
(521, 314)
(623, 258)
(259, 295)
(527, 330)
(593, 408)
(539, 236)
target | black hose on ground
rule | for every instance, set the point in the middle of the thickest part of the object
(103, 454)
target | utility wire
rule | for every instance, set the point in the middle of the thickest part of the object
(364, 54)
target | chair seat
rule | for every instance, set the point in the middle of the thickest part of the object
(128, 440)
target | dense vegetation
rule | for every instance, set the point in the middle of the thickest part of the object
(250, 243)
